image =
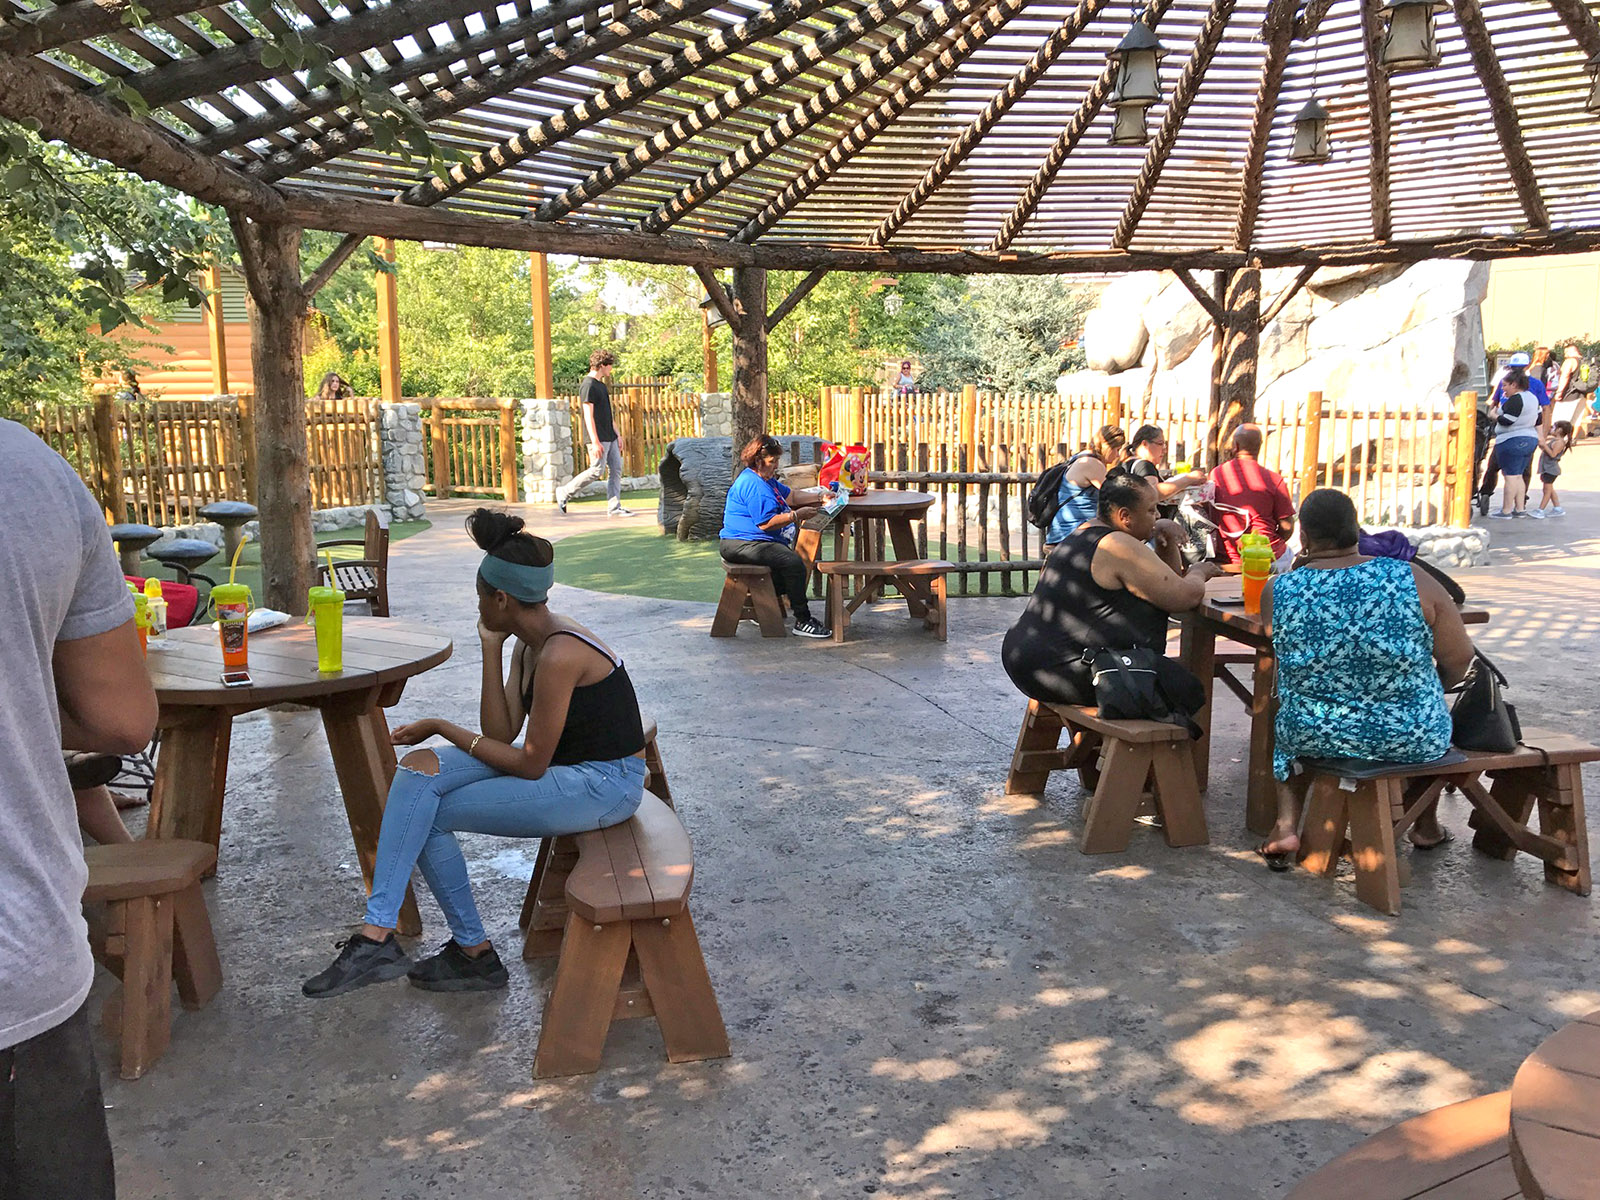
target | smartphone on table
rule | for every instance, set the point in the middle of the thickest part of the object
(236, 679)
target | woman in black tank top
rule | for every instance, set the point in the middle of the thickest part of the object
(1103, 587)
(579, 766)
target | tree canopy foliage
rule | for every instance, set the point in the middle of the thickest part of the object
(1013, 333)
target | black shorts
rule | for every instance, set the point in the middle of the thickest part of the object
(1548, 478)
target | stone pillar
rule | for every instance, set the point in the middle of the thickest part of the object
(716, 414)
(404, 473)
(546, 448)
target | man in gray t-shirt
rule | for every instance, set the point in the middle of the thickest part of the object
(73, 676)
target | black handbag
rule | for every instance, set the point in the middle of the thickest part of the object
(1480, 717)
(1143, 685)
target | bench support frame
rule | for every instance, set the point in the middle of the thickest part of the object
(748, 595)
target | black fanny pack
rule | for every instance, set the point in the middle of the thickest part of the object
(1142, 685)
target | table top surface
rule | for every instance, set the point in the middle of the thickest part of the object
(283, 662)
(1555, 1125)
(1224, 608)
(886, 502)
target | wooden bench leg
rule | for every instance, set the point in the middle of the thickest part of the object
(1372, 844)
(937, 617)
(674, 973)
(768, 613)
(656, 781)
(1327, 817)
(838, 614)
(1041, 733)
(1561, 817)
(734, 594)
(544, 908)
(1183, 817)
(1124, 769)
(1515, 792)
(194, 950)
(578, 1013)
(146, 984)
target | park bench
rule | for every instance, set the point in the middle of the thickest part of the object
(1378, 802)
(1130, 755)
(920, 580)
(156, 932)
(748, 595)
(366, 578)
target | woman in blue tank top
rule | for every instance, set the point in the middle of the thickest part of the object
(579, 766)
(1080, 486)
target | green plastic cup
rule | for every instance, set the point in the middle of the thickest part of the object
(327, 618)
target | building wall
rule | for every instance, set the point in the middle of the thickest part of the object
(1537, 301)
(185, 373)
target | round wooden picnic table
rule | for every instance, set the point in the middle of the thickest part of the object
(197, 713)
(1555, 1115)
(896, 510)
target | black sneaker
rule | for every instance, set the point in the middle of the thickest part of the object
(361, 961)
(807, 627)
(561, 503)
(454, 970)
(1483, 504)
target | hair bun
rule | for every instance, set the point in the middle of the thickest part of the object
(491, 528)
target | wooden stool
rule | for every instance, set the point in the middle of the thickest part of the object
(1555, 1138)
(748, 594)
(1378, 802)
(1131, 754)
(157, 931)
(921, 581)
(1458, 1152)
(544, 908)
(630, 948)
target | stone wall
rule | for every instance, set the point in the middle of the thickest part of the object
(404, 468)
(546, 448)
(716, 414)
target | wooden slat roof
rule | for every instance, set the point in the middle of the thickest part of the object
(923, 124)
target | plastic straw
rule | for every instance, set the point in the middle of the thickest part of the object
(328, 558)
(234, 565)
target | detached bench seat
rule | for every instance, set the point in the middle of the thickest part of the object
(1119, 760)
(748, 595)
(920, 580)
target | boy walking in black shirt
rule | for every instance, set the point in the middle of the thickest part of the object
(605, 449)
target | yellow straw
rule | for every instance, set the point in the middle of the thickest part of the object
(328, 556)
(234, 565)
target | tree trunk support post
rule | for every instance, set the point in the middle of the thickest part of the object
(749, 354)
(108, 456)
(1233, 397)
(544, 375)
(388, 326)
(1466, 460)
(1310, 452)
(708, 352)
(271, 258)
(215, 329)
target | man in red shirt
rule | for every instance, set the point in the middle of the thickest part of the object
(1258, 492)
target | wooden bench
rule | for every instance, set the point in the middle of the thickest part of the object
(1378, 810)
(366, 578)
(629, 949)
(1459, 1152)
(1130, 755)
(1555, 1115)
(920, 580)
(748, 595)
(156, 931)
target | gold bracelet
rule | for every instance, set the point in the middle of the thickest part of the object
(474, 746)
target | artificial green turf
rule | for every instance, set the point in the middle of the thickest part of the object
(640, 562)
(638, 501)
(250, 557)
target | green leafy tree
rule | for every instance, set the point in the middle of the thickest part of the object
(1006, 332)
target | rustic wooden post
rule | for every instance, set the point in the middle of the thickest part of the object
(1466, 460)
(271, 256)
(1113, 406)
(215, 332)
(858, 416)
(708, 351)
(508, 450)
(1233, 401)
(108, 457)
(247, 434)
(1312, 450)
(969, 423)
(749, 354)
(441, 452)
(544, 371)
(388, 327)
(825, 414)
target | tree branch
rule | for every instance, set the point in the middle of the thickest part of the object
(800, 292)
(1207, 301)
(48, 28)
(720, 298)
(1377, 120)
(1276, 31)
(1503, 111)
(336, 259)
(1289, 293)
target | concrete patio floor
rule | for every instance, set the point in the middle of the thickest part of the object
(929, 991)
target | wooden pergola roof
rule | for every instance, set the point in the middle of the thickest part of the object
(908, 134)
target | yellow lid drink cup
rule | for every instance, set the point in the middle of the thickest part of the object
(327, 618)
(232, 601)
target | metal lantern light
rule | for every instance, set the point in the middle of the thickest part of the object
(1138, 60)
(1593, 103)
(1311, 134)
(1127, 126)
(1409, 43)
(893, 303)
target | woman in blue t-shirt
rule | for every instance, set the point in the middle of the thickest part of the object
(758, 525)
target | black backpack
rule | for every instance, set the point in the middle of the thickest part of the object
(1044, 501)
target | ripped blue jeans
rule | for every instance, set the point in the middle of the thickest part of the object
(425, 812)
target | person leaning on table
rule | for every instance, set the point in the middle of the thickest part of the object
(758, 524)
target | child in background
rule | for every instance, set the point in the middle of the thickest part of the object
(1556, 445)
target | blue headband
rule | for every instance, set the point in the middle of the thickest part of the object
(531, 585)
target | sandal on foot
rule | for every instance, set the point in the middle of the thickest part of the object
(1446, 837)
(1277, 860)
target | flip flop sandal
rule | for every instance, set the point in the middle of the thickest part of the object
(1276, 860)
(1444, 841)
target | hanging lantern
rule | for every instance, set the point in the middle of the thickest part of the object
(1138, 61)
(1593, 104)
(1127, 127)
(1311, 134)
(1409, 43)
(893, 303)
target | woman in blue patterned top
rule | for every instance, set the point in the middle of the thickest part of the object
(1365, 649)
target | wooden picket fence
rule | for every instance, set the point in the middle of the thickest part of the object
(648, 412)
(343, 452)
(473, 447)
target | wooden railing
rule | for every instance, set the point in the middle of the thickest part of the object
(790, 414)
(648, 413)
(473, 447)
(342, 447)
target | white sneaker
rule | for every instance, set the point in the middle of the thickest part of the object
(1557, 511)
(1538, 514)
(619, 512)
